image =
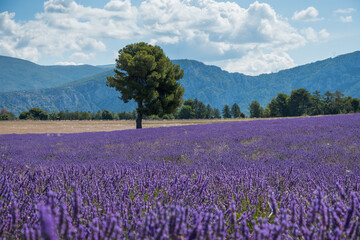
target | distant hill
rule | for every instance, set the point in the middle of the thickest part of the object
(209, 84)
(17, 74)
(212, 85)
(88, 94)
(107, 66)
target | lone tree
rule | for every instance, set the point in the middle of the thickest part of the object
(143, 73)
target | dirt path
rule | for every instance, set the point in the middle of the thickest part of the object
(21, 127)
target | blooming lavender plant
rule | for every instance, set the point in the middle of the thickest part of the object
(267, 179)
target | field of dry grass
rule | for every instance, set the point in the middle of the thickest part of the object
(21, 127)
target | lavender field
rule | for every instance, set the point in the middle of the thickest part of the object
(267, 179)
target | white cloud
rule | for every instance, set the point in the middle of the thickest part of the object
(346, 19)
(7, 25)
(323, 34)
(345, 11)
(308, 15)
(313, 36)
(82, 56)
(310, 34)
(218, 29)
(12, 42)
(202, 29)
(68, 63)
(256, 62)
(119, 5)
(58, 6)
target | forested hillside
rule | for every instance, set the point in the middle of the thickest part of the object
(209, 84)
(17, 74)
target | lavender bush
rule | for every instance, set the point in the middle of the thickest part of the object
(269, 179)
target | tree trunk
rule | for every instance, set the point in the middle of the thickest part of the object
(139, 116)
(139, 121)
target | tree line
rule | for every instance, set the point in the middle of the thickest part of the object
(195, 109)
(191, 109)
(301, 102)
(40, 114)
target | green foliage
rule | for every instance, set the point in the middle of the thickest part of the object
(256, 111)
(299, 102)
(194, 109)
(127, 115)
(235, 111)
(106, 115)
(77, 115)
(355, 104)
(34, 114)
(187, 112)
(217, 113)
(226, 112)
(278, 107)
(266, 112)
(272, 109)
(144, 74)
(5, 115)
(209, 112)
(168, 116)
(24, 115)
(317, 106)
(54, 115)
(39, 114)
(282, 102)
(200, 109)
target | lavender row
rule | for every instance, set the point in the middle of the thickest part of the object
(268, 179)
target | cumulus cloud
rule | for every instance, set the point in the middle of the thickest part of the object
(346, 19)
(202, 29)
(12, 40)
(216, 22)
(7, 24)
(218, 29)
(308, 15)
(119, 5)
(256, 62)
(313, 36)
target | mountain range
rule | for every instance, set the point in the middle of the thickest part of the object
(25, 84)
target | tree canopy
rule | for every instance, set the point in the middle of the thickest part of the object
(299, 102)
(226, 111)
(144, 74)
(34, 114)
(235, 111)
(255, 109)
(302, 103)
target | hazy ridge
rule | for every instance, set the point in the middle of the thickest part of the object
(209, 84)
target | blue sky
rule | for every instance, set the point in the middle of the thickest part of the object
(251, 37)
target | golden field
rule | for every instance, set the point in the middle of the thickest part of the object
(76, 126)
